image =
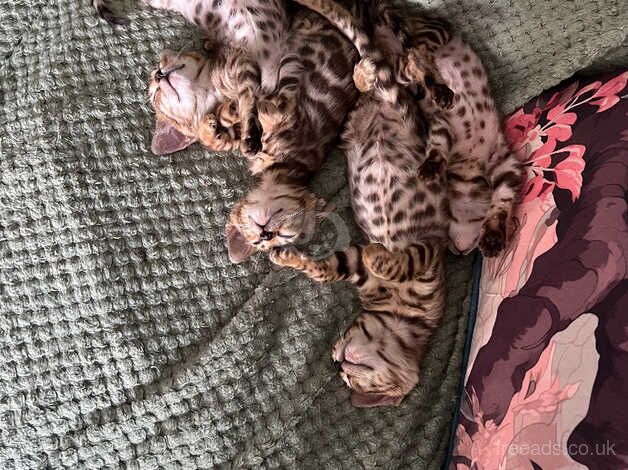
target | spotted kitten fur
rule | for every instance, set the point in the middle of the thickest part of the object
(483, 175)
(248, 36)
(401, 208)
(300, 122)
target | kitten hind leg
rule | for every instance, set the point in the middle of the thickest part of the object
(249, 82)
(504, 173)
(439, 143)
(251, 129)
(401, 266)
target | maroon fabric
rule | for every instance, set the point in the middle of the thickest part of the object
(583, 164)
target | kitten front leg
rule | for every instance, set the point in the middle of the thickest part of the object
(504, 173)
(249, 82)
(345, 265)
(419, 68)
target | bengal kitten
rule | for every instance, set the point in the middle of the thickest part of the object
(300, 122)
(483, 174)
(280, 210)
(403, 210)
(247, 38)
(196, 96)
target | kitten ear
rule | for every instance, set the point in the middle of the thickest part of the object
(167, 139)
(369, 400)
(239, 249)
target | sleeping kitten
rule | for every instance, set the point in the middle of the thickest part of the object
(189, 91)
(300, 121)
(402, 208)
(249, 37)
(483, 174)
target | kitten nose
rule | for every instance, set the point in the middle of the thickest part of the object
(266, 235)
(261, 223)
(161, 74)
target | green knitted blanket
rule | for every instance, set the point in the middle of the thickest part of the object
(127, 339)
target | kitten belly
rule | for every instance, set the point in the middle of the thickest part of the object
(392, 205)
(473, 118)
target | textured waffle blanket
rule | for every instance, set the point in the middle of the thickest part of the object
(127, 339)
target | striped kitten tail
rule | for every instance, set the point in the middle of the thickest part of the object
(344, 21)
(105, 12)
(345, 265)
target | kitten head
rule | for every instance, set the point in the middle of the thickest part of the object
(379, 358)
(274, 213)
(464, 235)
(470, 200)
(181, 93)
(466, 223)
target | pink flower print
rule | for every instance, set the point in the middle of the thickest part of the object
(569, 171)
(536, 187)
(537, 146)
(537, 401)
(607, 95)
(562, 97)
(519, 125)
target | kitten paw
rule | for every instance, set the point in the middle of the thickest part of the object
(443, 96)
(432, 169)
(493, 239)
(259, 162)
(252, 141)
(364, 75)
(215, 137)
(414, 65)
(286, 256)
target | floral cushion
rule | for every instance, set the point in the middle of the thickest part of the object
(547, 377)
